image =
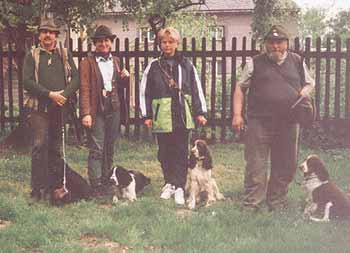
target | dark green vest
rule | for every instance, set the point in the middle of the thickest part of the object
(270, 94)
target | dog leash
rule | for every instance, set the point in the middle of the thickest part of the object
(64, 153)
(63, 129)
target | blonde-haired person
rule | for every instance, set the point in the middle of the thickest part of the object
(171, 97)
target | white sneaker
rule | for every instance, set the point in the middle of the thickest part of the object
(167, 191)
(179, 196)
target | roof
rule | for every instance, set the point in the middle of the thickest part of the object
(214, 6)
(227, 5)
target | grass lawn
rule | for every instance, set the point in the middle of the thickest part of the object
(154, 225)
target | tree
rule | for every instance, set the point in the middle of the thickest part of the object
(313, 23)
(269, 12)
(19, 16)
(155, 11)
(339, 26)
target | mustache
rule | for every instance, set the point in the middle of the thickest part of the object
(275, 56)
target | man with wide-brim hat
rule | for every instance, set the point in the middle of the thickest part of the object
(102, 32)
(275, 79)
(50, 77)
(48, 24)
(101, 76)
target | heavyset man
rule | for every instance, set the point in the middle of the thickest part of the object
(50, 78)
(101, 76)
(275, 79)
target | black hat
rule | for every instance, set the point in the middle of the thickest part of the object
(103, 31)
(277, 32)
(48, 24)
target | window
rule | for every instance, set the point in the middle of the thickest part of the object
(146, 32)
(217, 32)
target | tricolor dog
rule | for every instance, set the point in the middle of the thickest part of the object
(200, 183)
(325, 198)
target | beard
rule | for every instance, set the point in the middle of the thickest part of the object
(275, 56)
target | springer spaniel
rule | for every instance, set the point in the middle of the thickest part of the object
(77, 188)
(324, 196)
(200, 183)
(128, 182)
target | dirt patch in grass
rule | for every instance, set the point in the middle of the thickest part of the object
(184, 213)
(94, 243)
(4, 224)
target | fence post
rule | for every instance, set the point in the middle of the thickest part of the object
(223, 90)
(10, 85)
(127, 91)
(347, 80)
(137, 90)
(213, 91)
(204, 66)
(328, 79)
(233, 72)
(2, 90)
(337, 77)
(194, 58)
(317, 79)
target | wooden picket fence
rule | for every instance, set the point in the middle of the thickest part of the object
(219, 66)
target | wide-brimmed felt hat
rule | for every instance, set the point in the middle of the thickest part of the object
(48, 24)
(101, 32)
(277, 32)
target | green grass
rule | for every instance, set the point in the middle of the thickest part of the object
(153, 225)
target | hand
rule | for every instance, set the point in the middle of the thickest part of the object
(306, 90)
(124, 73)
(238, 123)
(201, 120)
(148, 123)
(87, 121)
(57, 98)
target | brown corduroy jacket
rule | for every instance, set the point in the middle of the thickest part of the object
(91, 85)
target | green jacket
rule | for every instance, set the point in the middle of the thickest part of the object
(51, 76)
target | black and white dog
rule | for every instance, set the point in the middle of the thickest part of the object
(128, 182)
(324, 196)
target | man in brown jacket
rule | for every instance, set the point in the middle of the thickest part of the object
(101, 76)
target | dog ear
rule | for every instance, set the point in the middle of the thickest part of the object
(319, 168)
(323, 173)
(207, 161)
(123, 176)
(191, 161)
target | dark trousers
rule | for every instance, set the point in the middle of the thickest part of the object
(102, 137)
(46, 146)
(172, 155)
(275, 143)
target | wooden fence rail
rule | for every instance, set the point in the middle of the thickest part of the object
(219, 66)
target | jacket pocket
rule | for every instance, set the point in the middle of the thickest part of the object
(156, 112)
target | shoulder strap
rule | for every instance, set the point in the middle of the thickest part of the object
(36, 57)
(284, 77)
(63, 52)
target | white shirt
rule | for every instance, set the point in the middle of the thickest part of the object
(106, 68)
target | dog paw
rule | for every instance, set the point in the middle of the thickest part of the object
(115, 200)
(191, 205)
(220, 197)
